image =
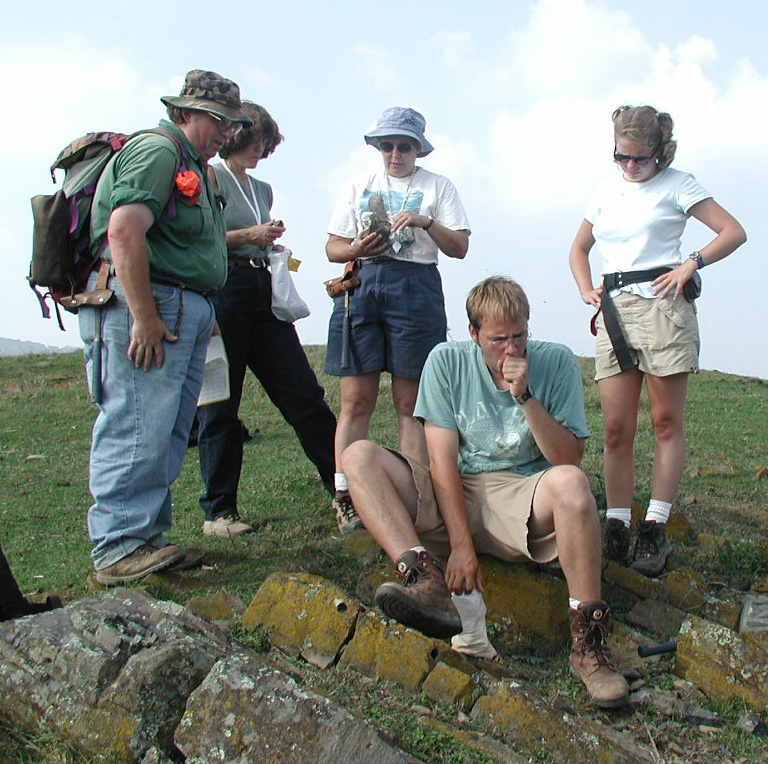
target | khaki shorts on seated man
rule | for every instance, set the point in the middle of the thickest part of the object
(505, 427)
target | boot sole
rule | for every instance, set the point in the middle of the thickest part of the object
(108, 580)
(430, 621)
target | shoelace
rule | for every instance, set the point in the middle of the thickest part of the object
(595, 635)
(348, 510)
(646, 545)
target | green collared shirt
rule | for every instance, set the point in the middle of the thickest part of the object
(189, 247)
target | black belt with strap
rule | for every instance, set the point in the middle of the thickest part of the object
(618, 280)
(247, 262)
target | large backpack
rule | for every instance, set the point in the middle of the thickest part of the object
(62, 257)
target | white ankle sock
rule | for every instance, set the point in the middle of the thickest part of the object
(573, 603)
(340, 481)
(473, 639)
(417, 549)
(658, 511)
(622, 513)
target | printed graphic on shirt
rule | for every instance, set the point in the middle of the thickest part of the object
(385, 205)
(496, 437)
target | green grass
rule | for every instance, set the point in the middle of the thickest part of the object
(45, 429)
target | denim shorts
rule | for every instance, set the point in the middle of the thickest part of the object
(396, 316)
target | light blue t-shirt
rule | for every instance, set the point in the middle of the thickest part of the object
(457, 391)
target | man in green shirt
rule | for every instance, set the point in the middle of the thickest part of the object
(506, 429)
(166, 245)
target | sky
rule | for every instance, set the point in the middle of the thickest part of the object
(517, 97)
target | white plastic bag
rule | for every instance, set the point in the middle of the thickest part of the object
(287, 305)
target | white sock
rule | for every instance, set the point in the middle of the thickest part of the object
(658, 511)
(473, 639)
(417, 549)
(573, 603)
(622, 513)
(340, 481)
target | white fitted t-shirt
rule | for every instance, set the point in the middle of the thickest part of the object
(638, 226)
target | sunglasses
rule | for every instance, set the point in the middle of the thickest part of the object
(226, 125)
(388, 147)
(626, 158)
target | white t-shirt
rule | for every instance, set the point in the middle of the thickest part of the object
(638, 226)
(423, 193)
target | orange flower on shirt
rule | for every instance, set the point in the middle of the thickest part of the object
(189, 184)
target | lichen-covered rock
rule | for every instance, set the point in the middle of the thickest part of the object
(524, 717)
(247, 712)
(445, 684)
(306, 616)
(658, 617)
(388, 650)
(221, 608)
(685, 589)
(631, 581)
(722, 663)
(110, 674)
(532, 606)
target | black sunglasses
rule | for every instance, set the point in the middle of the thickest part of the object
(625, 158)
(388, 147)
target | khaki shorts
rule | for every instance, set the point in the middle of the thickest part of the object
(662, 335)
(498, 507)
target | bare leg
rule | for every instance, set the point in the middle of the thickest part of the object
(667, 397)
(620, 398)
(382, 489)
(412, 440)
(358, 400)
(563, 502)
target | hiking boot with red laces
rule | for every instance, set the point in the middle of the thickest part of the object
(616, 541)
(422, 601)
(591, 656)
(652, 548)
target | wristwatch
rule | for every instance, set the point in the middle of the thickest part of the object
(428, 225)
(698, 258)
(521, 399)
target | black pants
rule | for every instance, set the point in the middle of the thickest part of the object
(256, 340)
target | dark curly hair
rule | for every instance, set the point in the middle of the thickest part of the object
(647, 126)
(263, 127)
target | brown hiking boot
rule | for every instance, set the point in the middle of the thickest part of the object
(591, 656)
(422, 601)
(139, 563)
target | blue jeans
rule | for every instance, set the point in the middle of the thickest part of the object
(270, 348)
(140, 435)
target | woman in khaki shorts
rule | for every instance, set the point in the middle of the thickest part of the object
(647, 328)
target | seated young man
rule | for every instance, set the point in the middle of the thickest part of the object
(506, 428)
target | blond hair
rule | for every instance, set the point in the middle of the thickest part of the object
(645, 125)
(497, 298)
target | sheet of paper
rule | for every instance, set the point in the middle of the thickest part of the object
(216, 377)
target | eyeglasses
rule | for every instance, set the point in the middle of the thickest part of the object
(226, 125)
(626, 158)
(404, 148)
(502, 342)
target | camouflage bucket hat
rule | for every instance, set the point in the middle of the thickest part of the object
(209, 91)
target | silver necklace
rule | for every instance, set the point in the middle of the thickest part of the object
(390, 209)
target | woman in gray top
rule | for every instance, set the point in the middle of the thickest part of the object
(253, 337)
